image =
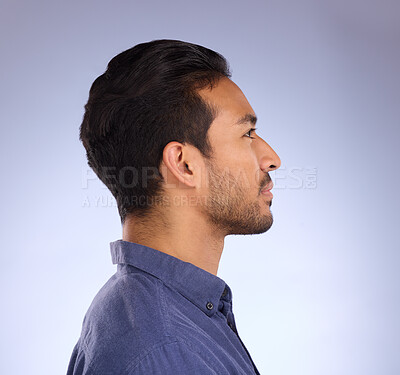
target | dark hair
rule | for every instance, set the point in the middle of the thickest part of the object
(147, 98)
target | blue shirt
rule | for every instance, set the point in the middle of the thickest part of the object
(159, 315)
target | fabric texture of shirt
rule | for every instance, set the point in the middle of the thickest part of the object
(159, 315)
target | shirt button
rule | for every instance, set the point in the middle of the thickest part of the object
(209, 306)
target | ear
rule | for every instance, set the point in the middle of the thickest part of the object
(178, 162)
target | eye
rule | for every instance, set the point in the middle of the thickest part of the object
(248, 134)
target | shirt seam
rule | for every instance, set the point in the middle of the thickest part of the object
(165, 312)
(85, 350)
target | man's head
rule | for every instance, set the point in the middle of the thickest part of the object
(146, 98)
(166, 120)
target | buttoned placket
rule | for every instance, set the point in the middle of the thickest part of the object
(225, 306)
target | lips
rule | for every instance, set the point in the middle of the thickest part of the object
(267, 187)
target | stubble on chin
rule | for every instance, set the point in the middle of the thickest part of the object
(229, 209)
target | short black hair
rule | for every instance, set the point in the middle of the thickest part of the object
(147, 98)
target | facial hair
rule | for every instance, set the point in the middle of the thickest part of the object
(230, 206)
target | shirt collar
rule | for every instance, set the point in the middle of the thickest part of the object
(200, 287)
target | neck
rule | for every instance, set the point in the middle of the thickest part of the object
(183, 234)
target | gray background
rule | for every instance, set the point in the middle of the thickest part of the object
(317, 294)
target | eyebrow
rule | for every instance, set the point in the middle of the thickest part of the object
(246, 119)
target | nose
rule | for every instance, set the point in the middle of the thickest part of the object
(268, 158)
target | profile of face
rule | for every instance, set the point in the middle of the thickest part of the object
(237, 174)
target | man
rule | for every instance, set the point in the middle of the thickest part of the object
(173, 138)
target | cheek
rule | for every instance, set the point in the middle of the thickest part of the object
(245, 171)
(237, 155)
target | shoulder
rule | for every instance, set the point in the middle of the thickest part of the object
(125, 320)
(128, 295)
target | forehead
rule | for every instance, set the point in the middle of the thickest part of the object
(229, 100)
